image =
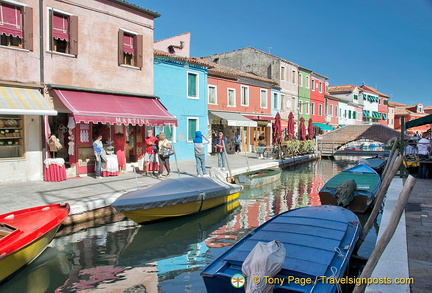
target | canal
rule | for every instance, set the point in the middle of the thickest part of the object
(169, 256)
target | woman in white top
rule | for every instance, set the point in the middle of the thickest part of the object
(163, 160)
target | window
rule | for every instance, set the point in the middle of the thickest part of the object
(283, 102)
(282, 77)
(293, 76)
(231, 98)
(212, 94)
(349, 114)
(192, 85)
(130, 50)
(244, 95)
(11, 136)
(331, 110)
(192, 127)
(307, 108)
(169, 132)
(63, 33)
(300, 107)
(312, 108)
(320, 106)
(263, 98)
(355, 97)
(275, 101)
(300, 79)
(313, 85)
(320, 87)
(354, 115)
(16, 26)
(307, 81)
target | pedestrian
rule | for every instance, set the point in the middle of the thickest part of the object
(237, 143)
(261, 146)
(199, 149)
(97, 148)
(119, 145)
(150, 157)
(423, 148)
(220, 143)
(163, 144)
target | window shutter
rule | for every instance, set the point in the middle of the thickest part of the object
(28, 28)
(51, 36)
(120, 47)
(73, 34)
(139, 51)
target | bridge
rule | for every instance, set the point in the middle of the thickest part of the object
(331, 142)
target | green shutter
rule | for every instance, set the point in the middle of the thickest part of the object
(168, 132)
(192, 85)
(192, 128)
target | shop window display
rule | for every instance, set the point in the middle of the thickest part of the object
(11, 137)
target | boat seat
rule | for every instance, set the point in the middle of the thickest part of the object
(5, 230)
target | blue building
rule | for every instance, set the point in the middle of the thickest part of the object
(181, 85)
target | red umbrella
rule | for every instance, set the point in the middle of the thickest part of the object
(290, 128)
(311, 131)
(277, 129)
(302, 129)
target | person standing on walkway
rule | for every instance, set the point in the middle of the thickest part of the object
(220, 143)
(237, 143)
(199, 149)
(150, 157)
(97, 148)
(424, 148)
(163, 144)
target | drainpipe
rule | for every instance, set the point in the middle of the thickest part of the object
(41, 73)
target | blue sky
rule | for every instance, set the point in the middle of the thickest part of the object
(387, 44)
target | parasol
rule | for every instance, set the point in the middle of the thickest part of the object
(277, 129)
(311, 132)
(302, 129)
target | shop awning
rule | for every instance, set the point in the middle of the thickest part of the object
(114, 109)
(234, 119)
(260, 117)
(323, 126)
(23, 101)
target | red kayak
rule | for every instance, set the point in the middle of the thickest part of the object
(25, 234)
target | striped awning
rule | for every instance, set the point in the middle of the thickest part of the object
(23, 101)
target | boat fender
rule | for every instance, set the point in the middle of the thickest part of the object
(345, 192)
(201, 198)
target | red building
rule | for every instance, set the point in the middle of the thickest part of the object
(409, 113)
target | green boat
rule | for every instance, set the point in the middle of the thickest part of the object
(258, 178)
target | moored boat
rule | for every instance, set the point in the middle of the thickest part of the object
(25, 234)
(375, 163)
(258, 178)
(176, 197)
(318, 240)
(367, 182)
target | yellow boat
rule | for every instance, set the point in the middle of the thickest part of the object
(25, 234)
(176, 197)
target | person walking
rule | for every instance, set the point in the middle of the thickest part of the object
(163, 144)
(220, 143)
(97, 148)
(423, 148)
(199, 149)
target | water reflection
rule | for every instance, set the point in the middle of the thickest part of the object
(167, 256)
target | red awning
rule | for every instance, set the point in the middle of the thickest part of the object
(10, 20)
(260, 117)
(128, 44)
(115, 109)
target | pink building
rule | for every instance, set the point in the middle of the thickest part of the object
(88, 62)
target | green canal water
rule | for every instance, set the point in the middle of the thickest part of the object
(169, 256)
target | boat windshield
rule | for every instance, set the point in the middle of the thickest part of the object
(5, 230)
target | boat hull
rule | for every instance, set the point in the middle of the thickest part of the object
(154, 214)
(17, 260)
(318, 240)
(258, 178)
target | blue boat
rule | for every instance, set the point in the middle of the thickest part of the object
(319, 241)
(367, 180)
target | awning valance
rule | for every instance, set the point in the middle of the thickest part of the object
(234, 119)
(23, 101)
(114, 109)
(323, 126)
(260, 117)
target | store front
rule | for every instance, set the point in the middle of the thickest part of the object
(264, 127)
(231, 124)
(21, 140)
(121, 119)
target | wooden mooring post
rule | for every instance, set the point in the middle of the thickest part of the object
(388, 233)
